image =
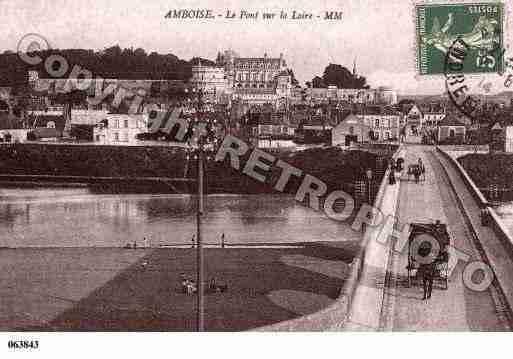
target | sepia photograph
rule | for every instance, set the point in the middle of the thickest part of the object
(223, 166)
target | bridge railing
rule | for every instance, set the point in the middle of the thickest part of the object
(494, 221)
(474, 190)
(465, 148)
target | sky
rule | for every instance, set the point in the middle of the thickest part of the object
(379, 35)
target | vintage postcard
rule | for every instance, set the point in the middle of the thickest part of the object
(236, 166)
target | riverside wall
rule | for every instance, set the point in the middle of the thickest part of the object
(141, 167)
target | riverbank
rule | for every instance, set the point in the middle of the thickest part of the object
(136, 169)
(492, 173)
(93, 289)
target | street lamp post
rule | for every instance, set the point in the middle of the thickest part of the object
(200, 305)
(199, 246)
(369, 181)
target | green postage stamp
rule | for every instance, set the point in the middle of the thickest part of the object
(479, 26)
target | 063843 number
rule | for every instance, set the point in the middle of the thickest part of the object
(23, 344)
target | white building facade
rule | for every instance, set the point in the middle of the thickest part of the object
(384, 127)
(120, 129)
(209, 79)
(381, 95)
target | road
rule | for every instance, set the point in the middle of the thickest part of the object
(457, 308)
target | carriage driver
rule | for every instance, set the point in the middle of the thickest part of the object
(427, 268)
(427, 272)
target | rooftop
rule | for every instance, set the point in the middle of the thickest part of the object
(449, 120)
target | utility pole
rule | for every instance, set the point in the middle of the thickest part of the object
(199, 245)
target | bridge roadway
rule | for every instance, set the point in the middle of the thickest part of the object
(458, 308)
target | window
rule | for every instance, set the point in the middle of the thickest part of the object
(116, 136)
(116, 124)
(126, 123)
(377, 123)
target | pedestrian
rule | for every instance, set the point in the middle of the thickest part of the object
(421, 169)
(391, 176)
(193, 241)
(222, 240)
(427, 272)
(392, 164)
(145, 243)
(135, 245)
(400, 163)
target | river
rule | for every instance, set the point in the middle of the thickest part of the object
(75, 217)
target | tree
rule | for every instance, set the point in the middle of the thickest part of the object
(113, 51)
(318, 82)
(74, 97)
(338, 75)
(405, 101)
(293, 79)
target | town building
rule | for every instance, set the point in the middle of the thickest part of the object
(269, 125)
(432, 114)
(383, 122)
(255, 96)
(508, 145)
(350, 130)
(432, 119)
(414, 119)
(209, 79)
(257, 72)
(120, 129)
(451, 130)
(12, 128)
(381, 95)
(314, 129)
(47, 125)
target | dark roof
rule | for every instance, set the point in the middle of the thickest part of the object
(44, 132)
(315, 121)
(42, 121)
(377, 110)
(266, 119)
(497, 126)
(406, 107)
(449, 120)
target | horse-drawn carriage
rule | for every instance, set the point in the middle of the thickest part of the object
(428, 245)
